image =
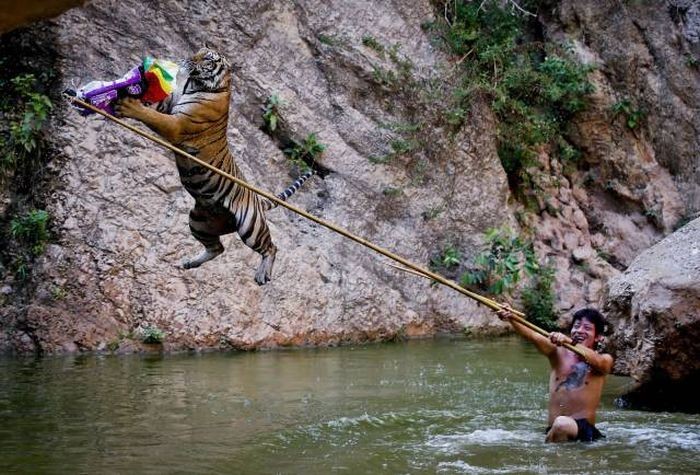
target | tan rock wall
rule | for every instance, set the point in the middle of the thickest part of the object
(120, 214)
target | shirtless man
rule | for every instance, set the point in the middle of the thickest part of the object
(575, 383)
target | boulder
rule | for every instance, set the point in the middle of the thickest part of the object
(654, 309)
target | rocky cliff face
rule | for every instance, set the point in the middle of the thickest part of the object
(638, 181)
(653, 307)
(120, 214)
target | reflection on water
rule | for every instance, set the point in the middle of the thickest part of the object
(445, 406)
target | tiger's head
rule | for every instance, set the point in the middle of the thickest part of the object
(208, 69)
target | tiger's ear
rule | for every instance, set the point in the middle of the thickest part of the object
(208, 44)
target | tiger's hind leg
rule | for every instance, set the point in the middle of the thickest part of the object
(255, 234)
(206, 225)
(264, 273)
(263, 246)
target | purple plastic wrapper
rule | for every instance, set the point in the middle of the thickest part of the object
(103, 94)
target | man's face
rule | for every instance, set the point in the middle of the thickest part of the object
(583, 332)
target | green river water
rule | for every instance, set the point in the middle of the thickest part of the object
(431, 406)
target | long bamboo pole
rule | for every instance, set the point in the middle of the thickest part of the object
(492, 304)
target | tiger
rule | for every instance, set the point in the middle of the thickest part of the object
(194, 117)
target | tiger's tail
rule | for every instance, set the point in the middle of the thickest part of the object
(291, 189)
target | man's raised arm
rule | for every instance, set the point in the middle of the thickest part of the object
(541, 342)
(600, 363)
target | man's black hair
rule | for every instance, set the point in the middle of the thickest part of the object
(593, 316)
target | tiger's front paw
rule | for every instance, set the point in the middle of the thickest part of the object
(206, 256)
(129, 107)
(264, 272)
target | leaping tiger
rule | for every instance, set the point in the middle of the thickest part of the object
(195, 117)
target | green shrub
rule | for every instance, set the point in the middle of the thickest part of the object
(305, 153)
(449, 257)
(432, 212)
(271, 112)
(372, 43)
(403, 127)
(633, 115)
(568, 152)
(498, 268)
(31, 230)
(21, 269)
(380, 159)
(402, 62)
(29, 235)
(151, 335)
(25, 116)
(330, 40)
(418, 170)
(538, 299)
(534, 88)
(392, 191)
(398, 78)
(385, 77)
(58, 292)
(402, 146)
(399, 146)
(455, 116)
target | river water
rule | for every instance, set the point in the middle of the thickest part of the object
(433, 406)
